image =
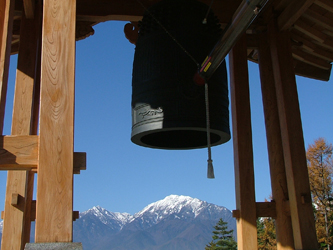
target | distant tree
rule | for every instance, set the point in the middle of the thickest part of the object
(222, 238)
(320, 168)
(266, 233)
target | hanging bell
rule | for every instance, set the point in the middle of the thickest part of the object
(168, 108)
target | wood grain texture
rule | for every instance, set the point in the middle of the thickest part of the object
(284, 233)
(243, 152)
(55, 168)
(18, 152)
(29, 8)
(22, 150)
(292, 139)
(6, 26)
(292, 13)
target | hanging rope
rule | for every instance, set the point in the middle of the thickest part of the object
(204, 21)
(210, 170)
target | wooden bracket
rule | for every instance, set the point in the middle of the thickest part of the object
(2, 215)
(21, 153)
(79, 162)
(266, 209)
(263, 209)
(18, 152)
(76, 214)
(17, 201)
(236, 214)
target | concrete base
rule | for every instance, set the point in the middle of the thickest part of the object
(53, 246)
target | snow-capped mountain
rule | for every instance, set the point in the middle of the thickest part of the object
(1, 225)
(114, 220)
(176, 222)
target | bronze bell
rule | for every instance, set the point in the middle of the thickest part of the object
(168, 108)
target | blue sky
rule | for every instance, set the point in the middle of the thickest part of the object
(123, 177)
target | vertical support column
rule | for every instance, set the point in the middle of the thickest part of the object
(284, 233)
(6, 27)
(243, 152)
(292, 138)
(16, 228)
(56, 126)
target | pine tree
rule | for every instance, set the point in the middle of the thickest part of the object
(320, 168)
(266, 234)
(222, 238)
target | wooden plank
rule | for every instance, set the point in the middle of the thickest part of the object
(132, 10)
(28, 207)
(21, 153)
(292, 13)
(319, 19)
(29, 8)
(55, 167)
(325, 4)
(312, 48)
(18, 150)
(309, 31)
(23, 149)
(243, 152)
(267, 209)
(306, 70)
(311, 59)
(284, 233)
(6, 27)
(292, 139)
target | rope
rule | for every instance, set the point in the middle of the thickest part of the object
(204, 21)
(210, 170)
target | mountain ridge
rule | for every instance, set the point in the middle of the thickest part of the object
(176, 222)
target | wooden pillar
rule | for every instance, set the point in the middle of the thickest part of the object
(54, 217)
(292, 139)
(284, 233)
(243, 152)
(16, 228)
(6, 26)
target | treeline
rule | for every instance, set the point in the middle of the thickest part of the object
(320, 168)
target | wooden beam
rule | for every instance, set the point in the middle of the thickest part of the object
(243, 152)
(54, 218)
(311, 48)
(284, 233)
(18, 152)
(325, 4)
(266, 209)
(319, 19)
(6, 27)
(309, 31)
(292, 13)
(132, 10)
(292, 138)
(76, 214)
(21, 149)
(307, 70)
(29, 8)
(303, 56)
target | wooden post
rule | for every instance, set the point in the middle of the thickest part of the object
(284, 233)
(54, 215)
(292, 138)
(243, 152)
(17, 223)
(6, 26)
